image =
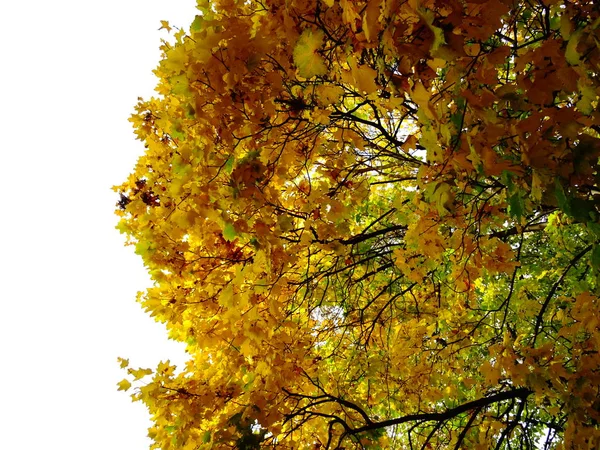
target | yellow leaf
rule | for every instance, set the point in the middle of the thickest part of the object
(123, 362)
(246, 348)
(371, 20)
(566, 27)
(472, 49)
(438, 34)
(328, 95)
(429, 140)
(444, 199)
(364, 76)
(164, 25)
(306, 58)
(320, 116)
(490, 373)
(436, 63)
(139, 373)
(441, 195)
(349, 14)
(588, 95)
(421, 97)
(124, 385)
(226, 296)
(571, 54)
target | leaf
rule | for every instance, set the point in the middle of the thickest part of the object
(364, 76)
(443, 198)
(306, 58)
(438, 34)
(197, 24)
(328, 94)
(228, 167)
(429, 141)
(536, 186)
(139, 373)
(164, 25)
(490, 372)
(124, 385)
(350, 15)
(229, 232)
(370, 20)
(582, 210)
(587, 100)
(566, 26)
(563, 201)
(516, 206)
(226, 296)
(571, 54)
(421, 96)
(123, 363)
(595, 257)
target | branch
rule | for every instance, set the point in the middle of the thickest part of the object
(514, 231)
(521, 393)
(364, 236)
(463, 433)
(540, 316)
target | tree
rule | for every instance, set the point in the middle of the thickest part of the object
(375, 224)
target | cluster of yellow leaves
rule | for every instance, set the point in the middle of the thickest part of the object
(372, 223)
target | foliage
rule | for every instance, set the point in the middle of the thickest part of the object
(375, 224)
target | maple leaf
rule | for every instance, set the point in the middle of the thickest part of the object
(124, 385)
(123, 363)
(364, 76)
(306, 58)
(164, 25)
(438, 34)
(571, 54)
(139, 373)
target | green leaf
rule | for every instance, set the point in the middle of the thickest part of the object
(179, 84)
(594, 227)
(142, 248)
(229, 232)
(516, 206)
(582, 210)
(457, 117)
(123, 227)
(206, 437)
(595, 257)
(229, 164)
(561, 198)
(180, 166)
(506, 178)
(197, 24)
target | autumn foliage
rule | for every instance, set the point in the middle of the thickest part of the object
(375, 224)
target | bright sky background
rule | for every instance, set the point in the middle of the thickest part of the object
(70, 74)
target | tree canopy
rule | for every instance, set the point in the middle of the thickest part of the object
(374, 224)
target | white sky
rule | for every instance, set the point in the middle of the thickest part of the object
(70, 74)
